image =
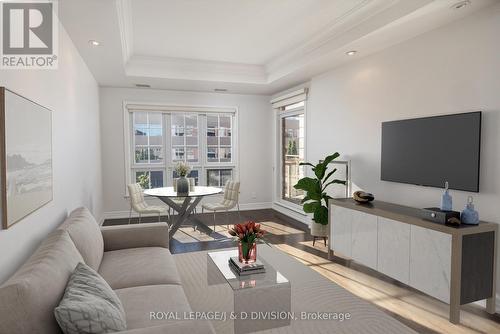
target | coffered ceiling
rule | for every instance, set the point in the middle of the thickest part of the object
(244, 46)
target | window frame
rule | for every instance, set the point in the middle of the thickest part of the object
(167, 166)
(282, 113)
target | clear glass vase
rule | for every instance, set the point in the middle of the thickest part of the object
(247, 252)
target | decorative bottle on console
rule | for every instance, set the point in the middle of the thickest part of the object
(446, 200)
(470, 215)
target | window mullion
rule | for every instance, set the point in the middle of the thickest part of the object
(202, 146)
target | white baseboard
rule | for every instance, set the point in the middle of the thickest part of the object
(125, 214)
(255, 206)
(100, 221)
(295, 214)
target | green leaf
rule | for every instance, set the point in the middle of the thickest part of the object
(330, 158)
(311, 206)
(330, 174)
(306, 164)
(336, 181)
(320, 170)
(306, 183)
(315, 195)
(305, 199)
(321, 215)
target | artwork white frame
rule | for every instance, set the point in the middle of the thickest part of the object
(26, 180)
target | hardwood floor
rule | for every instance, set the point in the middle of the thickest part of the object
(422, 313)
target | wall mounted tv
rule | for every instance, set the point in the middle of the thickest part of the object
(429, 151)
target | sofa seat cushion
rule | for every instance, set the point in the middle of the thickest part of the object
(139, 302)
(131, 267)
(86, 234)
(29, 297)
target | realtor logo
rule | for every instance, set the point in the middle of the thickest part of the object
(29, 35)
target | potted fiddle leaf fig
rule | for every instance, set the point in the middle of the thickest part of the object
(316, 199)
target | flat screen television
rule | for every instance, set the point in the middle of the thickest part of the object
(432, 150)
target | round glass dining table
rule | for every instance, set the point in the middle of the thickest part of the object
(184, 210)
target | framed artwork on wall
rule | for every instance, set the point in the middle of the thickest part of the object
(25, 157)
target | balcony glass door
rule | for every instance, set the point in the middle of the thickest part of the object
(292, 153)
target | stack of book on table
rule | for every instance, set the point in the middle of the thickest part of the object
(246, 268)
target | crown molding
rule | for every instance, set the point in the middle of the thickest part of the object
(193, 69)
(362, 20)
(124, 9)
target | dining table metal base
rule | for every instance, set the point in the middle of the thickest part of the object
(184, 214)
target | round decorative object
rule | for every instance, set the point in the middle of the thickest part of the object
(469, 214)
(362, 197)
(182, 186)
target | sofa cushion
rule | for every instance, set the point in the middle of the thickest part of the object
(140, 301)
(28, 299)
(89, 305)
(131, 267)
(86, 234)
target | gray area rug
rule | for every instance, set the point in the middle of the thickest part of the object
(310, 293)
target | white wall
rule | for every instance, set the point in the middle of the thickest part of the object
(453, 69)
(73, 96)
(255, 141)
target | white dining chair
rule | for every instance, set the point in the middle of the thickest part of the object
(230, 200)
(139, 205)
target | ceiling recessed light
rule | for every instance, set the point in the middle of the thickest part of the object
(93, 42)
(461, 4)
(351, 53)
(220, 90)
(141, 85)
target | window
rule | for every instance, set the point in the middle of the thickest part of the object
(218, 177)
(148, 132)
(148, 149)
(290, 118)
(159, 139)
(149, 179)
(292, 154)
(219, 143)
(185, 138)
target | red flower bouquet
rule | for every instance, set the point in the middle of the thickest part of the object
(247, 233)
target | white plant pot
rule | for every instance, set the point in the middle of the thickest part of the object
(318, 230)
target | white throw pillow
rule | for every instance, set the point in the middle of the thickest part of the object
(89, 305)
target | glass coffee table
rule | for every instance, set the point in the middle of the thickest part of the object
(261, 301)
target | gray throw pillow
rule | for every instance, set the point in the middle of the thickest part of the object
(89, 305)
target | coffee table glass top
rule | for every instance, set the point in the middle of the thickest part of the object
(220, 261)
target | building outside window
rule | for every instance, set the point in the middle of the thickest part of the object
(203, 140)
(218, 177)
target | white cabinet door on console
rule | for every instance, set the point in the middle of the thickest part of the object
(364, 238)
(430, 262)
(394, 249)
(340, 230)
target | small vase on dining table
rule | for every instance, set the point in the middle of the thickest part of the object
(182, 186)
